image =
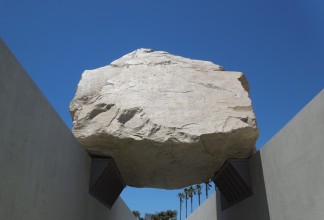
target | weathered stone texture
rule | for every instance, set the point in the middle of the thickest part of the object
(168, 121)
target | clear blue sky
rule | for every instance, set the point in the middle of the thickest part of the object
(279, 45)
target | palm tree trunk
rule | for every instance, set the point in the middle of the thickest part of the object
(180, 208)
(199, 197)
(186, 206)
(206, 190)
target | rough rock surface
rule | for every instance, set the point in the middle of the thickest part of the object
(168, 121)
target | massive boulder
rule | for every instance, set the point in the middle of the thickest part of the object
(168, 121)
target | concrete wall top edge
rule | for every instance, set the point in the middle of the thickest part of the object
(5, 49)
(318, 96)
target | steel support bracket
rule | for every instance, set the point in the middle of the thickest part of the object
(106, 183)
(233, 181)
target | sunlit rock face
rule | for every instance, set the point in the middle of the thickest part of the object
(168, 121)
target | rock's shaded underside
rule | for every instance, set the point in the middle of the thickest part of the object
(168, 121)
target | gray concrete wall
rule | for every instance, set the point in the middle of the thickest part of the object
(253, 208)
(287, 174)
(206, 211)
(44, 172)
(293, 166)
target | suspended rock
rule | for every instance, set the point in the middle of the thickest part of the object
(168, 121)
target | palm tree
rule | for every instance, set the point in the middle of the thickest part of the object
(207, 187)
(137, 214)
(198, 189)
(191, 192)
(171, 213)
(186, 197)
(165, 215)
(181, 196)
